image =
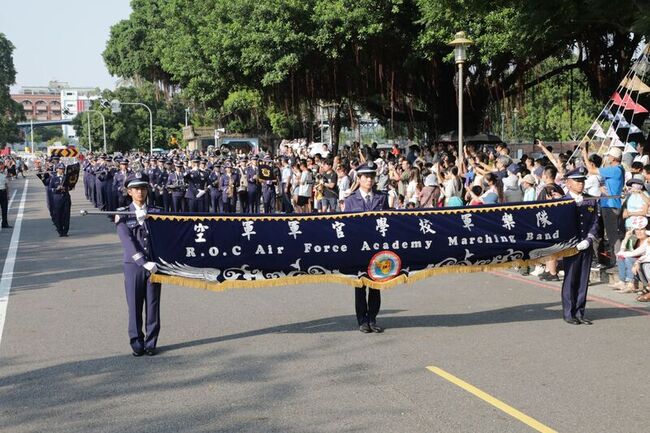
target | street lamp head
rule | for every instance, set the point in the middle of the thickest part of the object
(515, 111)
(116, 106)
(460, 44)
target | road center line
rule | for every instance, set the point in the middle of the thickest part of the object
(10, 261)
(531, 422)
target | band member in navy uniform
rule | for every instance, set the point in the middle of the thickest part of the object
(176, 184)
(60, 201)
(268, 186)
(367, 198)
(215, 191)
(138, 268)
(118, 183)
(252, 178)
(227, 185)
(194, 180)
(577, 268)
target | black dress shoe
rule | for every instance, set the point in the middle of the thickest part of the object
(6, 227)
(138, 352)
(585, 321)
(549, 277)
(375, 328)
(572, 321)
(365, 328)
(150, 352)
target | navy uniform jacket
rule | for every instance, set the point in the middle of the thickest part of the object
(588, 217)
(118, 180)
(176, 183)
(134, 237)
(55, 182)
(194, 180)
(251, 174)
(355, 202)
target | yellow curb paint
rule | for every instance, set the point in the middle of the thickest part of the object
(531, 422)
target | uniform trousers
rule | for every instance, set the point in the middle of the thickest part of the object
(3, 205)
(140, 291)
(575, 284)
(367, 310)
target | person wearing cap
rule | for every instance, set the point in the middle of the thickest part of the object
(101, 173)
(636, 203)
(367, 198)
(60, 201)
(528, 184)
(4, 194)
(195, 187)
(138, 267)
(168, 168)
(613, 175)
(119, 189)
(578, 267)
(215, 192)
(253, 188)
(176, 185)
(269, 185)
(153, 172)
(632, 248)
(228, 186)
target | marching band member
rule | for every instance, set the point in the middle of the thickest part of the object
(578, 267)
(60, 201)
(138, 268)
(176, 184)
(367, 198)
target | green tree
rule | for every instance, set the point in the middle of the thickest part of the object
(386, 57)
(129, 129)
(10, 111)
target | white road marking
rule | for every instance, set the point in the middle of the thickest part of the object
(10, 260)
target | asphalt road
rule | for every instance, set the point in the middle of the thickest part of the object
(290, 359)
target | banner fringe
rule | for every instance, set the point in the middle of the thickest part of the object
(354, 282)
(335, 216)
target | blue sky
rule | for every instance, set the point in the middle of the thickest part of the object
(61, 40)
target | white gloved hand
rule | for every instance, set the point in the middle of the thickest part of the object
(579, 199)
(151, 267)
(140, 215)
(582, 245)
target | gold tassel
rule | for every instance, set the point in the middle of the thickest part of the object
(340, 279)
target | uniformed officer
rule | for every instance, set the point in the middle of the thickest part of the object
(252, 179)
(119, 178)
(215, 191)
(367, 198)
(195, 187)
(60, 201)
(577, 268)
(227, 185)
(176, 185)
(269, 185)
(138, 268)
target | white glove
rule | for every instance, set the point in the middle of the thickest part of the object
(582, 245)
(201, 193)
(140, 215)
(579, 199)
(151, 267)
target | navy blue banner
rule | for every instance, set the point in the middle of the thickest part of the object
(377, 249)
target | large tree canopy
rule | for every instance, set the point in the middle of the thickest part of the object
(386, 57)
(10, 111)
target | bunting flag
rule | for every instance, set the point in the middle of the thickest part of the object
(635, 84)
(605, 115)
(630, 147)
(376, 249)
(627, 103)
(596, 130)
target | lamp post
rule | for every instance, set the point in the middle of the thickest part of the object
(503, 125)
(90, 141)
(187, 113)
(116, 107)
(103, 125)
(460, 44)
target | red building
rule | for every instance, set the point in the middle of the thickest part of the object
(40, 103)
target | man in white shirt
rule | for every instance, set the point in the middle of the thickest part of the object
(4, 193)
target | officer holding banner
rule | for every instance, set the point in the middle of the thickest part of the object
(577, 268)
(367, 198)
(138, 267)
